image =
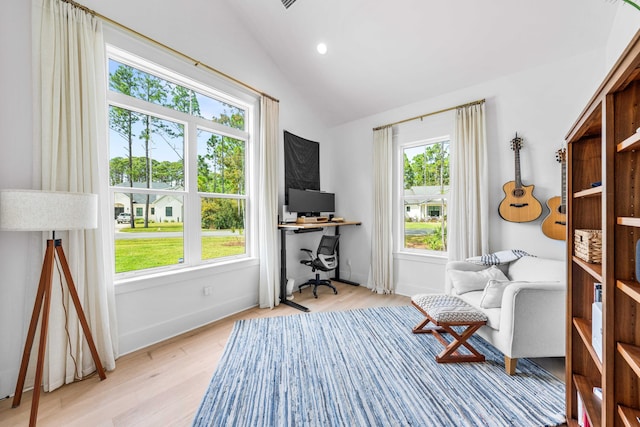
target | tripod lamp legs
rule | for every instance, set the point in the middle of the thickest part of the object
(43, 304)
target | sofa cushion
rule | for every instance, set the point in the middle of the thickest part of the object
(532, 269)
(492, 294)
(468, 281)
(493, 314)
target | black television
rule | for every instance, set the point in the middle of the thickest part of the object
(310, 202)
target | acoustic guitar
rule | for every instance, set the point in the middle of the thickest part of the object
(554, 225)
(519, 204)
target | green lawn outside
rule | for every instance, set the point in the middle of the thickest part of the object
(421, 225)
(139, 254)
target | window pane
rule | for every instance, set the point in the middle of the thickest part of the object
(141, 85)
(220, 164)
(145, 151)
(147, 240)
(426, 188)
(223, 224)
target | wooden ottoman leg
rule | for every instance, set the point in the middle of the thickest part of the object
(420, 327)
(445, 312)
(450, 353)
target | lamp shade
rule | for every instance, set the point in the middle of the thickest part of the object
(34, 210)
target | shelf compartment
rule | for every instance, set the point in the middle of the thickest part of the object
(630, 288)
(583, 326)
(630, 144)
(629, 221)
(592, 403)
(631, 354)
(629, 416)
(589, 192)
(595, 270)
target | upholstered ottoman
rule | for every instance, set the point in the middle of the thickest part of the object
(446, 311)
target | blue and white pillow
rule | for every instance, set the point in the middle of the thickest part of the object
(498, 258)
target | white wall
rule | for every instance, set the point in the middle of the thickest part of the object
(625, 26)
(16, 266)
(540, 104)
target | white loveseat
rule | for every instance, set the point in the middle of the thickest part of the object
(526, 310)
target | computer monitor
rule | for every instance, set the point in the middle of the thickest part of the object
(310, 202)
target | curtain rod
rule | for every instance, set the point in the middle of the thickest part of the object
(468, 104)
(195, 62)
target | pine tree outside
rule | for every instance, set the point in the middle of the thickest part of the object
(148, 168)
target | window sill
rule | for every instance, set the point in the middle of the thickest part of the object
(137, 283)
(431, 257)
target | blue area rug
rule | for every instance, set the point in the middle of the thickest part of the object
(365, 368)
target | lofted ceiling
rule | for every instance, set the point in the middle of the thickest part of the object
(383, 54)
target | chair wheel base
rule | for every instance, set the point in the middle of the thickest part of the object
(315, 284)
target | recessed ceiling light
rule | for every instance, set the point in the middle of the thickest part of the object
(322, 48)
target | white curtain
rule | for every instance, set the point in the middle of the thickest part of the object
(381, 269)
(468, 218)
(70, 85)
(268, 208)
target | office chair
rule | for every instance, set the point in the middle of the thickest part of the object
(325, 260)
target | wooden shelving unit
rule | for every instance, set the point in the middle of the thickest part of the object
(603, 180)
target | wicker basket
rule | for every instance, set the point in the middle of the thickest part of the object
(588, 245)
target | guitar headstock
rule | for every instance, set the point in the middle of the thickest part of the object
(516, 143)
(561, 155)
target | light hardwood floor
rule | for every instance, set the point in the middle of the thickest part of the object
(162, 385)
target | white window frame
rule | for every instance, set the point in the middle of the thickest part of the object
(173, 69)
(399, 211)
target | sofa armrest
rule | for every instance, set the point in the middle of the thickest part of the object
(537, 311)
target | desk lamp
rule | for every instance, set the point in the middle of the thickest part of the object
(32, 210)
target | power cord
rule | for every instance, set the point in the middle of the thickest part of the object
(66, 322)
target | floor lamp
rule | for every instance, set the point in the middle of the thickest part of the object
(32, 210)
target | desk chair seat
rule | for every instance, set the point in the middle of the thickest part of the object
(325, 260)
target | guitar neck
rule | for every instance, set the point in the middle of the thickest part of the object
(563, 196)
(517, 160)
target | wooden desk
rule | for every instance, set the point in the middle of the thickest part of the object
(305, 228)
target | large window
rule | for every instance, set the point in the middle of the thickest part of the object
(424, 193)
(178, 151)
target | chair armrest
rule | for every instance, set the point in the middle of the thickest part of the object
(537, 311)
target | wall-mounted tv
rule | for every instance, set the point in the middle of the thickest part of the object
(310, 202)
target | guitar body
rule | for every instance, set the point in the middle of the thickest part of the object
(519, 204)
(554, 225)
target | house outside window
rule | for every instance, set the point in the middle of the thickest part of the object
(424, 194)
(178, 151)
